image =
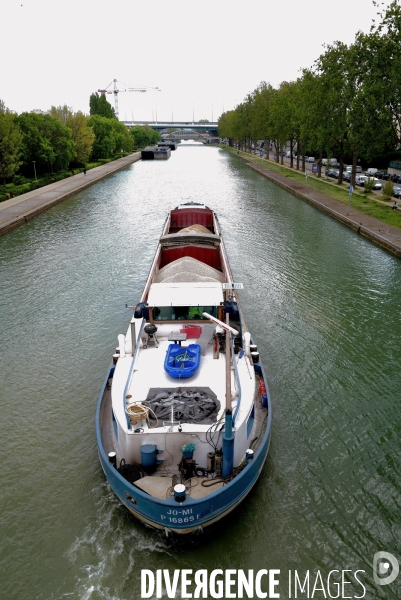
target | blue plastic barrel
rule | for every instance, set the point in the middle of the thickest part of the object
(148, 456)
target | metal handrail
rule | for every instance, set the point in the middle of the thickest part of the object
(237, 381)
(134, 357)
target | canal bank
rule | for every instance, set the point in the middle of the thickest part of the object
(386, 236)
(21, 209)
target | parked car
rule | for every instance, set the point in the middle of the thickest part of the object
(358, 169)
(331, 162)
(378, 185)
(397, 191)
(346, 175)
(371, 171)
(360, 179)
(309, 158)
(331, 173)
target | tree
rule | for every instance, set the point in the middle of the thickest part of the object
(338, 89)
(82, 135)
(144, 136)
(61, 142)
(261, 117)
(10, 145)
(380, 93)
(62, 113)
(122, 137)
(282, 117)
(100, 106)
(46, 141)
(104, 143)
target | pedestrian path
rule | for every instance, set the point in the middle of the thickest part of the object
(19, 210)
(384, 235)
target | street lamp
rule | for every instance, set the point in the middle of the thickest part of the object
(34, 168)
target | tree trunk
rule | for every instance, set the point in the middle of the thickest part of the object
(319, 173)
(298, 146)
(340, 175)
(281, 155)
(303, 160)
(291, 156)
(276, 146)
(354, 159)
(267, 148)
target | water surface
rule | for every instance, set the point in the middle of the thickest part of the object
(323, 305)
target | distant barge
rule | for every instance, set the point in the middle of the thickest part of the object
(156, 153)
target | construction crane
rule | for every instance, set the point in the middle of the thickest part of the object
(127, 88)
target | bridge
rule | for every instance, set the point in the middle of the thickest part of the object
(199, 126)
(187, 134)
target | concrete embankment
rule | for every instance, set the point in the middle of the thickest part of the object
(21, 209)
(380, 233)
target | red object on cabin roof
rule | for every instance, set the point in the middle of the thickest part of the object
(193, 331)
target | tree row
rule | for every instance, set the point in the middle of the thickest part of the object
(348, 105)
(61, 139)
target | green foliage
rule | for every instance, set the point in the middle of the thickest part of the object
(19, 180)
(369, 185)
(122, 137)
(144, 136)
(111, 137)
(104, 142)
(46, 141)
(62, 113)
(348, 105)
(100, 106)
(82, 135)
(10, 145)
(387, 190)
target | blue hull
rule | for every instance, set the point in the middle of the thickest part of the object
(183, 518)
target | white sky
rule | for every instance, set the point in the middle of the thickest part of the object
(205, 56)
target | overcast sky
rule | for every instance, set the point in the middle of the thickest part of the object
(205, 56)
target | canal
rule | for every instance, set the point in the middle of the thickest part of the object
(324, 307)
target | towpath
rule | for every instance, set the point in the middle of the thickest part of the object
(20, 209)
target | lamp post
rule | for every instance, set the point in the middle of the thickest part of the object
(34, 168)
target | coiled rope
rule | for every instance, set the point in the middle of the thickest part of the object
(138, 412)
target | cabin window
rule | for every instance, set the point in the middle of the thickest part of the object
(182, 313)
